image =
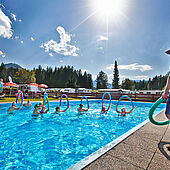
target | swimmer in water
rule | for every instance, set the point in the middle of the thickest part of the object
(123, 112)
(12, 108)
(40, 105)
(43, 110)
(104, 110)
(81, 110)
(57, 110)
(36, 111)
(28, 104)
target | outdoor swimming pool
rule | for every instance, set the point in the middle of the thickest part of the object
(58, 141)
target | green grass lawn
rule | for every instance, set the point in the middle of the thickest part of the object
(6, 99)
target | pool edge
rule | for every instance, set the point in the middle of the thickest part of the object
(92, 157)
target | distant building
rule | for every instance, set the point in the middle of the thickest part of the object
(67, 90)
(83, 90)
(114, 91)
(26, 87)
(150, 91)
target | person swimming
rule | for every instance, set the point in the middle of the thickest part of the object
(36, 111)
(81, 110)
(104, 110)
(123, 112)
(57, 110)
(28, 104)
(12, 108)
(40, 105)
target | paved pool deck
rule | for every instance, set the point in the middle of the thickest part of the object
(147, 148)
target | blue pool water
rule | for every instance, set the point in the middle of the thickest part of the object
(59, 141)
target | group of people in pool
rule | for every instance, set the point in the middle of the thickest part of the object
(41, 109)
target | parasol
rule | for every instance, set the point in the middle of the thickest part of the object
(33, 84)
(43, 86)
(11, 85)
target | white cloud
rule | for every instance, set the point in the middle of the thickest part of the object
(134, 66)
(102, 38)
(13, 16)
(141, 77)
(63, 47)
(16, 37)
(84, 70)
(20, 20)
(22, 42)
(51, 54)
(110, 67)
(2, 54)
(32, 39)
(5, 26)
(94, 77)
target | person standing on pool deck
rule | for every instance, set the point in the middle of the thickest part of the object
(165, 94)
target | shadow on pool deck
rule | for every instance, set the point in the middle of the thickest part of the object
(147, 148)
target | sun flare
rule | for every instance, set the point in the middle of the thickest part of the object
(109, 8)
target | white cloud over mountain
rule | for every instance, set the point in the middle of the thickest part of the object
(134, 66)
(5, 26)
(63, 47)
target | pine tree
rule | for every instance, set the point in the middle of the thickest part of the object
(115, 82)
(102, 80)
(128, 84)
(90, 81)
(3, 72)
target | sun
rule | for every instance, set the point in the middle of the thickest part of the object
(109, 8)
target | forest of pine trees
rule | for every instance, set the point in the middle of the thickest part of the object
(58, 77)
(63, 77)
(67, 76)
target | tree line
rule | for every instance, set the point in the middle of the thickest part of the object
(156, 83)
(67, 76)
(60, 77)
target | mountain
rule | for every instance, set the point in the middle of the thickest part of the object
(13, 65)
(109, 86)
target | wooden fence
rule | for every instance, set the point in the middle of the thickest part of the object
(114, 96)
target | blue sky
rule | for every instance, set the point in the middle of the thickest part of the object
(72, 32)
